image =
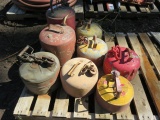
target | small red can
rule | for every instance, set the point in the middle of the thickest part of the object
(125, 60)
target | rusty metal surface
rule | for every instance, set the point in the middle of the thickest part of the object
(59, 40)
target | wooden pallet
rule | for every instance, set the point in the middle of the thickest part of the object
(125, 11)
(15, 13)
(145, 105)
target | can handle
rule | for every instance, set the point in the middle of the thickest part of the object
(117, 52)
(89, 23)
(71, 71)
(117, 85)
(88, 67)
(24, 50)
(94, 42)
(52, 28)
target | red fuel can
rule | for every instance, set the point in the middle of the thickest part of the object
(56, 15)
(125, 60)
(59, 40)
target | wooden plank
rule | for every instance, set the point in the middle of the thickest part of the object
(81, 108)
(140, 100)
(91, 8)
(13, 9)
(123, 8)
(24, 103)
(155, 9)
(1, 113)
(100, 7)
(148, 10)
(127, 113)
(156, 35)
(143, 9)
(78, 7)
(61, 104)
(147, 71)
(133, 8)
(153, 53)
(109, 37)
(100, 113)
(121, 39)
(42, 105)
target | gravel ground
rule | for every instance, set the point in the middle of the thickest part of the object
(16, 35)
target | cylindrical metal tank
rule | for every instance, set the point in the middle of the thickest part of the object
(59, 40)
(92, 48)
(79, 77)
(114, 92)
(88, 30)
(125, 60)
(57, 15)
(39, 73)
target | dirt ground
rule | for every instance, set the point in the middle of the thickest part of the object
(15, 35)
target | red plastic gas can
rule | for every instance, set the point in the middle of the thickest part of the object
(125, 60)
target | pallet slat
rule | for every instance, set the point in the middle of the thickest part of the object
(100, 7)
(156, 35)
(147, 71)
(81, 108)
(153, 53)
(133, 9)
(24, 103)
(42, 105)
(61, 104)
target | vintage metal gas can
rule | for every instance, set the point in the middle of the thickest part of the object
(125, 60)
(92, 48)
(39, 71)
(88, 29)
(79, 76)
(114, 92)
(59, 40)
(57, 14)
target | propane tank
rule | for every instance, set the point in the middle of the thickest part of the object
(57, 14)
(125, 60)
(114, 92)
(92, 48)
(88, 29)
(79, 76)
(39, 71)
(59, 40)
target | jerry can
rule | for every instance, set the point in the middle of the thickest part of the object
(88, 29)
(59, 40)
(39, 71)
(114, 93)
(79, 77)
(125, 60)
(56, 15)
(92, 48)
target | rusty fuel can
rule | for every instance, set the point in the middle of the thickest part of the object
(92, 48)
(59, 40)
(39, 71)
(114, 93)
(88, 29)
(79, 77)
(56, 15)
(123, 59)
